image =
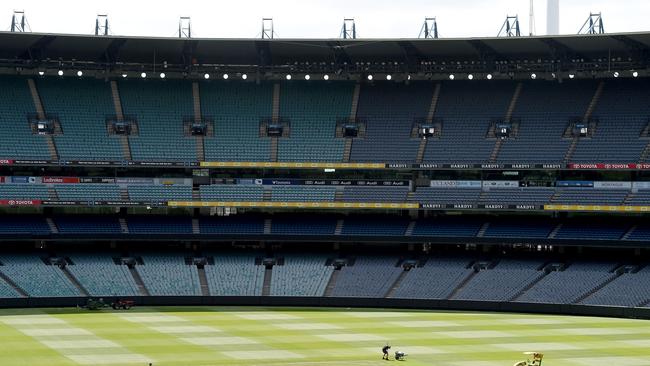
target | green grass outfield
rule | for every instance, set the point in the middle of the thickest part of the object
(305, 336)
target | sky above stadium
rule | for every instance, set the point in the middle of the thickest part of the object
(317, 18)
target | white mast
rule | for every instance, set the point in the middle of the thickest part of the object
(553, 17)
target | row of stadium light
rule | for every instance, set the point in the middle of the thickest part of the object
(370, 77)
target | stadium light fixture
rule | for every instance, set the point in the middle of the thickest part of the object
(162, 75)
(143, 75)
(41, 73)
(206, 76)
(124, 75)
(288, 76)
(533, 76)
(470, 77)
(225, 76)
(370, 77)
(60, 73)
(244, 76)
(635, 74)
(408, 77)
(307, 77)
(80, 73)
(616, 74)
(489, 76)
(389, 76)
(451, 77)
(571, 76)
(326, 77)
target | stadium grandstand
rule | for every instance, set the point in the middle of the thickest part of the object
(484, 174)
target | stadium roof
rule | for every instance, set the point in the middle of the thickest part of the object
(32, 49)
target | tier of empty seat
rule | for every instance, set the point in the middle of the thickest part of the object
(168, 275)
(101, 276)
(502, 282)
(458, 277)
(82, 107)
(389, 111)
(327, 225)
(236, 109)
(312, 110)
(301, 275)
(368, 277)
(146, 193)
(466, 118)
(17, 140)
(234, 275)
(160, 108)
(568, 286)
(37, 279)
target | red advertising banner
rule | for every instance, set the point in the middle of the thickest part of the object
(2, 179)
(6, 162)
(60, 180)
(20, 202)
(632, 166)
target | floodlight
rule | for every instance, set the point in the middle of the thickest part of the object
(225, 76)
(326, 77)
(143, 75)
(162, 75)
(369, 77)
(60, 72)
(80, 73)
(388, 77)
(470, 77)
(489, 76)
(307, 77)
(451, 77)
(206, 76)
(288, 76)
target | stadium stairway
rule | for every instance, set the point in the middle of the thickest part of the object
(432, 111)
(40, 111)
(203, 280)
(266, 286)
(629, 232)
(124, 194)
(462, 284)
(119, 113)
(74, 281)
(609, 280)
(51, 194)
(339, 227)
(410, 228)
(331, 284)
(494, 155)
(13, 285)
(556, 230)
(196, 229)
(587, 116)
(124, 227)
(196, 96)
(531, 284)
(482, 230)
(142, 289)
(275, 116)
(397, 283)
(347, 148)
(53, 228)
